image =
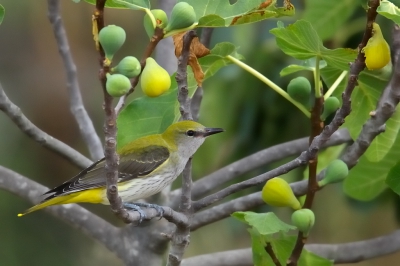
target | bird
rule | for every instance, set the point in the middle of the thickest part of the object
(146, 166)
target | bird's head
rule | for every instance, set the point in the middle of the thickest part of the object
(188, 136)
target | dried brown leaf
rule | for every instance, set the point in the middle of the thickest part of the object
(197, 50)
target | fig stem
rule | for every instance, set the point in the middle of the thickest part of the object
(152, 18)
(270, 83)
(317, 78)
(335, 84)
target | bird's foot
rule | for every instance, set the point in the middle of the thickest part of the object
(138, 207)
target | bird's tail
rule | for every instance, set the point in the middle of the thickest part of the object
(53, 201)
(90, 196)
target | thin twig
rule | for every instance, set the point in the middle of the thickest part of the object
(271, 253)
(181, 77)
(77, 108)
(338, 120)
(47, 141)
(267, 156)
(283, 169)
(110, 130)
(181, 237)
(384, 109)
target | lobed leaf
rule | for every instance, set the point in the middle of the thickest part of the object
(145, 115)
(301, 41)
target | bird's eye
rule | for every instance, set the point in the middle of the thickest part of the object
(190, 133)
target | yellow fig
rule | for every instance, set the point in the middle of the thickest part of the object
(377, 51)
(154, 80)
(278, 193)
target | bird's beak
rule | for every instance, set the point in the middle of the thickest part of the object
(212, 131)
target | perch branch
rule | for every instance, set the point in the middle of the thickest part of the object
(26, 126)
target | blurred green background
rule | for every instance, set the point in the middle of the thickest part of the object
(254, 117)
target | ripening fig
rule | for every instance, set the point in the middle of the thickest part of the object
(111, 39)
(377, 51)
(300, 90)
(304, 220)
(154, 80)
(117, 85)
(161, 21)
(330, 106)
(182, 16)
(278, 193)
(129, 66)
(336, 171)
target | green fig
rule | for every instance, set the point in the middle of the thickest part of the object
(300, 90)
(330, 106)
(278, 193)
(117, 85)
(182, 16)
(154, 80)
(111, 39)
(336, 171)
(161, 21)
(304, 220)
(129, 66)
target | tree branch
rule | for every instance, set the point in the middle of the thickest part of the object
(299, 161)
(73, 214)
(272, 154)
(110, 129)
(384, 109)
(26, 126)
(77, 108)
(340, 253)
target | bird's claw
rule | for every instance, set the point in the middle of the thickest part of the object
(138, 207)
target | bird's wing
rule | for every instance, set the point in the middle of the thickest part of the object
(131, 166)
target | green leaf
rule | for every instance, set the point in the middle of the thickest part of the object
(328, 24)
(145, 115)
(133, 4)
(265, 223)
(2, 12)
(301, 41)
(364, 100)
(260, 256)
(390, 11)
(367, 179)
(283, 247)
(308, 258)
(393, 178)
(382, 144)
(308, 65)
(212, 13)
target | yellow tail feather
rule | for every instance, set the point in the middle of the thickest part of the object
(90, 196)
